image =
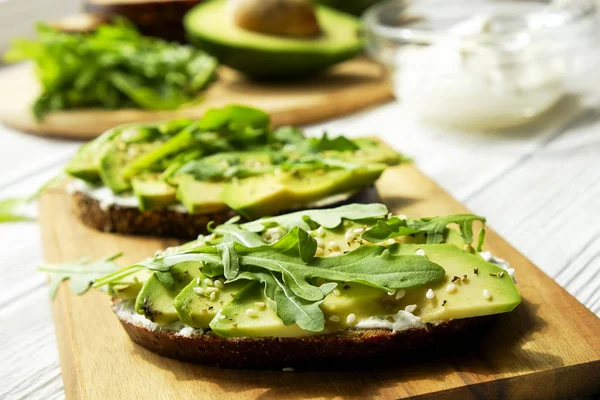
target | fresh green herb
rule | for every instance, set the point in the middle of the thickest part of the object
(113, 67)
(11, 210)
(329, 218)
(80, 274)
(339, 143)
(434, 228)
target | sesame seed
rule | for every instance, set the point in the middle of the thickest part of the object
(336, 253)
(334, 318)
(219, 284)
(349, 236)
(500, 274)
(487, 294)
(411, 308)
(390, 242)
(400, 294)
(260, 304)
(351, 318)
(252, 313)
(336, 292)
(391, 293)
(213, 295)
(430, 294)
(319, 251)
(209, 282)
(212, 289)
(320, 232)
(288, 369)
(199, 290)
(402, 216)
(451, 288)
(320, 243)
(197, 281)
(420, 252)
(359, 231)
(220, 316)
(333, 245)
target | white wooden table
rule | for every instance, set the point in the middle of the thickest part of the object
(539, 186)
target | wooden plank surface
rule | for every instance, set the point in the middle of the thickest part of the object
(549, 347)
(345, 88)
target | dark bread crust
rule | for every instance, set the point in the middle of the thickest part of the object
(130, 220)
(349, 349)
(166, 223)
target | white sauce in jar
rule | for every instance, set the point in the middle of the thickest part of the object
(467, 81)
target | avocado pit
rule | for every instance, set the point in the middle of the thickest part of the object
(295, 18)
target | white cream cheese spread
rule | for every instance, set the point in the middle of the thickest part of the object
(125, 310)
(505, 265)
(107, 198)
(401, 321)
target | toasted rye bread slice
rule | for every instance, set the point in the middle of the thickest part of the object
(348, 349)
(167, 223)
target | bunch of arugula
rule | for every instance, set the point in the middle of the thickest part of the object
(292, 277)
(113, 67)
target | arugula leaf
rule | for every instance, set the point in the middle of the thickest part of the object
(339, 143)
(231, 262)
(328, 218)
(113, 67)
(10, 210)
(81, 274)
(233, 233)
(433, 227)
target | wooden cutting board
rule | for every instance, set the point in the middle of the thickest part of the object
(344, 89)
(549, 347)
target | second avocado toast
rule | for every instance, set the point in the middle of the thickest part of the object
(172, 178)
(312, 287)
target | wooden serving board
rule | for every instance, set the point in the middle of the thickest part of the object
(549, 347)
(344, 89)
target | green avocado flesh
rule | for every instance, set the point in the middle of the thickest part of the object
(264, 56)
(266, 194)
(235, 165)
(241, 309)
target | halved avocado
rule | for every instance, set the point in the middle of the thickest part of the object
(264, 56)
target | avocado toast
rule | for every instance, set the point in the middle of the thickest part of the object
(314, 286)
(172, 178)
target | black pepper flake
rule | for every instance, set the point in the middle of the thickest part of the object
(210, 308)
(476, 271)
(346, 287)
(444, 303)
(455, 278)
(492, 274)
(348, 243)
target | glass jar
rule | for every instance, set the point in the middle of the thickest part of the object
(480, 64)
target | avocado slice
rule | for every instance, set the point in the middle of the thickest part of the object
(194, 304)
(200, 197)
(153, 193)
(269, 194)
(251, 314)
(155, 299)
(130, 286)
(132, 142)
(85, 164)
(210, 26)
(465, 300)
(373, 151)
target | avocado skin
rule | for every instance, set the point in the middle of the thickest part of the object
(262, 61)
(267, 65)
